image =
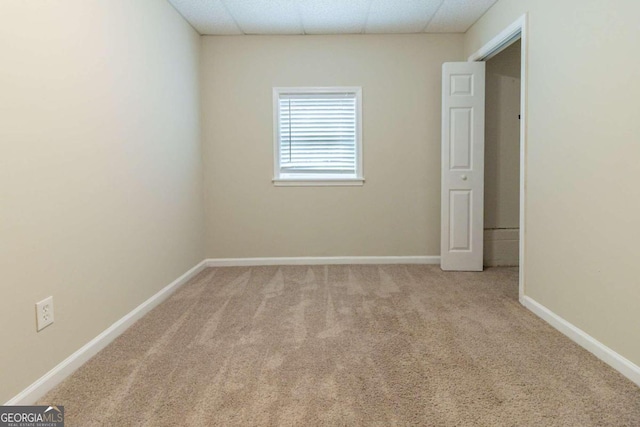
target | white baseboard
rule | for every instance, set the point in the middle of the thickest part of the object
(242, 262)
(65, 368)
(601, 351)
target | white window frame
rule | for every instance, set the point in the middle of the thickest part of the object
(321, 179)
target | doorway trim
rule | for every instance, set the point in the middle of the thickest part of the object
(516, 31)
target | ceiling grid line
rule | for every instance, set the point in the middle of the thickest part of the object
(479, 17)
(233, 18)
(366, 19)
(304, 29)
(424, 30)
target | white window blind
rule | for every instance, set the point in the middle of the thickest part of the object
(317, 134)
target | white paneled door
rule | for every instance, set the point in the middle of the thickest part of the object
(462, 166)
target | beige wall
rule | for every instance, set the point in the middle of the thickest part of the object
(396, 212)
(583, 201)
(502, 158)
(100, 176)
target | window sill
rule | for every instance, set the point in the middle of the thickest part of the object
(318, 182)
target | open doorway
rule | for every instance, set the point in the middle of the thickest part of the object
(502, 158)
(517, 32)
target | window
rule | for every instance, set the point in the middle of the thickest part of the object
(318, 136)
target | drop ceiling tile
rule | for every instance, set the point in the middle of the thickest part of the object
(207, 16)
(456, 16)
(330, 16)
(400, 16)
(266, 16)
(334, 16)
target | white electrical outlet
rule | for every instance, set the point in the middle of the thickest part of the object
(44, 313)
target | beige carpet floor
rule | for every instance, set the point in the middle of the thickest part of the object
(346, 345)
